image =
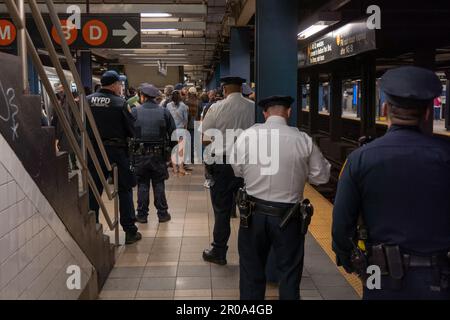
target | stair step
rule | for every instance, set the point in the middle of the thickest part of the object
(83, 202)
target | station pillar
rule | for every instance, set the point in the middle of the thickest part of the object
(224, 65)
(84, 67)
(276, 51)
(426, 58)
(217, 77)
(33, 78)
(240, 53)
(368, 97)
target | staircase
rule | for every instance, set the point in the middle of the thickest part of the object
(35, 147)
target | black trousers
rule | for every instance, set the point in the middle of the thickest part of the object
(127, 181)
(222, 194)
(416, 285)
(254, 245)
(151, 169)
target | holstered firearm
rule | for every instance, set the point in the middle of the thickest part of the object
(304, 210)
(359, 255)
(359, 261)
(245, 208)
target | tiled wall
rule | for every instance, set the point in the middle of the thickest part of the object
(35, 247)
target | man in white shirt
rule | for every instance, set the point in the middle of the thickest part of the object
(235, 114)
(275, 184)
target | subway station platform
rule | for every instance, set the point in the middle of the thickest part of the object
(167, 263)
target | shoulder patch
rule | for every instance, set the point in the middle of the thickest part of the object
(343, 168)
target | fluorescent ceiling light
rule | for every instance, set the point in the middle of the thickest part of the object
(323, 23)
(159, 30)
(161, 43)
(312, 30)
(155, 15)
(128, 54)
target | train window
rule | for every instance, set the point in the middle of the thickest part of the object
(305, 96)
(381, 113)
(440, 106)
(324, 98)
(351, 99)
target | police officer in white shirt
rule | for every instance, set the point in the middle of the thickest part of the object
(273, 188)
(233, 113)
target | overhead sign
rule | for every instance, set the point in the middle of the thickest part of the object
(96, 31)
(352, 39)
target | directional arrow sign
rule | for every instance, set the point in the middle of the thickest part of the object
(129, 32)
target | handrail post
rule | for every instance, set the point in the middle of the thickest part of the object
(84, 171)
(116, 204)
(22, 46)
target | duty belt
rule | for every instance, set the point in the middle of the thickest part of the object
(381, 256)
(269, 208)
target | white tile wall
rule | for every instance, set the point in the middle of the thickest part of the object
(35, 247)
(4, 175)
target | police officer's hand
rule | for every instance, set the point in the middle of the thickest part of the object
(345, 263)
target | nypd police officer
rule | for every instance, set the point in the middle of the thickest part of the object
(273, 190)
(398, 187)
(115, 125)
(156, 126)
(233, 113)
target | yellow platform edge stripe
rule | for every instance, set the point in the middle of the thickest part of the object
(320, 229)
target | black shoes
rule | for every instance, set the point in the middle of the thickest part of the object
(211, 255)
(131, 238)
(141, 219)
(164, 218)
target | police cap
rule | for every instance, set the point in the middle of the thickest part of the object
(110, 77)
(232, 80)
(150, 91)
(410, 87)
(143, 85)
(285, 101)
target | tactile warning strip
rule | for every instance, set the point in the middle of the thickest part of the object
(320, 229)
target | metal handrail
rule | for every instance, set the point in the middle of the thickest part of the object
(81, 154)
(39, 20)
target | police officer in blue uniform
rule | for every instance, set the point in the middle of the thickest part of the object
(115, 125)
(156, 125)
(397, 189)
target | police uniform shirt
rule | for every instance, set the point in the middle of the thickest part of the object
(111, 115)
(235, 112)
(400, 183)
(150, 117)
(300, 161)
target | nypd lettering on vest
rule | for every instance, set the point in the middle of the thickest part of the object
(100, 101)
